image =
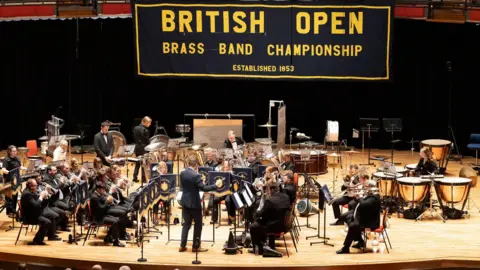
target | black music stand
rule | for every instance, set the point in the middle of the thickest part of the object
(327, 199)
(369, 125)
(168, 186)
(82, 129)
(393, 125)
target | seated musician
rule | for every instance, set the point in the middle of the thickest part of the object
(351, 179)
(268, 177)
(100, 203)
(58, 199)
(11, 162)
(60, 152)
(33, 205)
(51, 211)
(366, 215)
(215, 201)
(67, 181)
(426, 165)
(164, 158)
(287, 164)
(232, 141)
(253, 162)
(289, 187)
(211, 160)
(270, 218)
(356, 193)
(162, 169)
(117, 185)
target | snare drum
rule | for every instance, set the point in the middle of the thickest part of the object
(386, 183)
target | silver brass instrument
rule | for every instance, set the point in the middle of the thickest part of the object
(48, 187)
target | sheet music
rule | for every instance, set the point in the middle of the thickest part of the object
(249, 192)
(179, 195)
(247, 198)
(201, 194)
(239, 201)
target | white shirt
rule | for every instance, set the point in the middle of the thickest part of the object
(234, 145)
(59, 154)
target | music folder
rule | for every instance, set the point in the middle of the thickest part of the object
(327, 194)
(167, 184)
(237, 200)
(247, 198)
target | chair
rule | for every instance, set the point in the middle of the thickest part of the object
(92, 225)
(380, 230)
(474, 145)
(288, 221)
(32, 148)
(23, 225)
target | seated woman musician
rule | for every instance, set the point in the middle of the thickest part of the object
(215, 201)
(11, 163)
(169, 163)
(426, 165)
(162, 169)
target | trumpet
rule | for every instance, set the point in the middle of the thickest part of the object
(110, 199)
(48, 187)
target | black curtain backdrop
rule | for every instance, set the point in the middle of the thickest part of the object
(87, 67)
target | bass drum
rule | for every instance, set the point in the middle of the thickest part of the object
(317, 164)
(118, 140)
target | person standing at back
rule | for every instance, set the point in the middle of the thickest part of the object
(141, 135)
(103, 144)
(192, 184)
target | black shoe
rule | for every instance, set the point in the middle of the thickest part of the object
(117, 243)
(344, 250)
(126, 237)
(360, 244)
(36, 243)
(336, 223)
(107, 239)
(135, 180)
(55, 238)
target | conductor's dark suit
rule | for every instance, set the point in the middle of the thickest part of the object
(32, 208)
(141, 135)
(192, 184)
(366, 215)
(103, 144)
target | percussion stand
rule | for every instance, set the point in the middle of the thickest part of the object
(431, 209)
(392, 128)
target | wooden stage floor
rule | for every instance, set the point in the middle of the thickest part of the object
(424, 244)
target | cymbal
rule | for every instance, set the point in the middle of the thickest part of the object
(69, 137)
(155, 146)
(352, 152)
(334, 155)
(267, 125)
(43, 138)
(310, 143)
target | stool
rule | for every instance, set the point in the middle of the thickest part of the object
(474, 145)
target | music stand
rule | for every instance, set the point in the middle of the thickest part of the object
(393, 125)
(327, 199)
(168, 186)
(82, 129)
(126, 151)
(305, 160)
(369, 125)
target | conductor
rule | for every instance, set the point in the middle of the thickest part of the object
(192, 184)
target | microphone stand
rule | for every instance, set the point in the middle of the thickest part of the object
(140, 237)
(196, 261)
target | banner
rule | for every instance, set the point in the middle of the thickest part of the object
(337, 40)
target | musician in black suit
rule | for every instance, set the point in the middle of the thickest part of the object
(253, 162)
(352, 179)
(366, 215)
(232, 141)
(192, 184)
(271, 217)
(99, 205)
(103, 144)
(51, 179)
(353, 203)
(10, 163)
(211, 160)
(289, 187)
(33, 205)
(51, 211)
(141, 135)
(287, 164)
(426, 165)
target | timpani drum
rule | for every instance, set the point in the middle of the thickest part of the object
(411, 168)
(386, 183)
(440, 150)
(451, 191)
(316, 165)
(413, 190)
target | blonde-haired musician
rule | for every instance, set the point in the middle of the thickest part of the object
(426, 165)
(232, 141)
(60, 152)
